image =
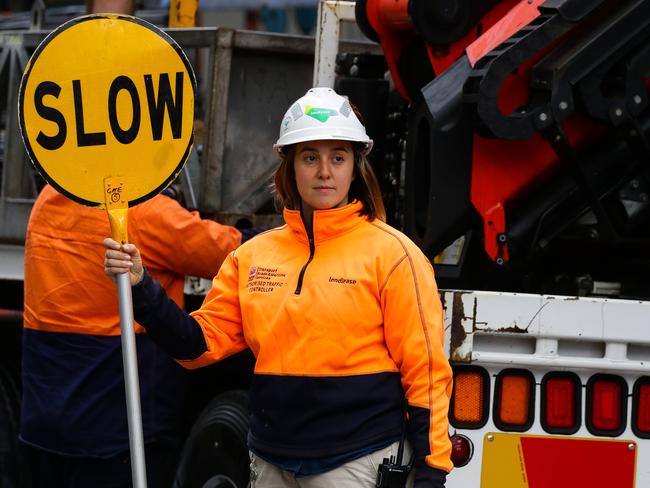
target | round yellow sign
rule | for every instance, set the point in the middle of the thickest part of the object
(107, 96)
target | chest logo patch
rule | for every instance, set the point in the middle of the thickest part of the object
(264, 280)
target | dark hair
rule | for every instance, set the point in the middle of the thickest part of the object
(364, 186)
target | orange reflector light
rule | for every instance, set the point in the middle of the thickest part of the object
(606, 410)
(468, 402)
(560, 403)
(643, 409)
(514, 400)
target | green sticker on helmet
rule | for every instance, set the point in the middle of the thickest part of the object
(320, 114)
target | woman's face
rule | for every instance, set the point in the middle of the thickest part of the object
(324, 172)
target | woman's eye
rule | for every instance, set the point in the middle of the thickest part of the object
(310, 158)
(339, 159)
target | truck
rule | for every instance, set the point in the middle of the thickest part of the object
(512, 147)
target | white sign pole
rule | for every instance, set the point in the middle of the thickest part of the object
(130, 361)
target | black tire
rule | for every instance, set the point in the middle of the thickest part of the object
(215, 453)
(12, 471)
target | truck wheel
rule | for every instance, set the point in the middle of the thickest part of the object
(215, 453)
(11, 466)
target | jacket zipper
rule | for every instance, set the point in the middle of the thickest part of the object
(304, 268)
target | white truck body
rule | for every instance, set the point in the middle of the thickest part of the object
(542, 335)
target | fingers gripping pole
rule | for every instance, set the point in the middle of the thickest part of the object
(117, 208)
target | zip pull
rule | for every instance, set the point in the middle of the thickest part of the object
(301, 277)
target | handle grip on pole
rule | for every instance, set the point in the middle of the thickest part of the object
(117, 206)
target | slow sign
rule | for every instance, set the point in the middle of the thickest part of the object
(106, 96)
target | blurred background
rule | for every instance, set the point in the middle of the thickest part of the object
(281, 16)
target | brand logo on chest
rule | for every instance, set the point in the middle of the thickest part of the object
(342, 281)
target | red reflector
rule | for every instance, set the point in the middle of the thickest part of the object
(606, 413)
(461, 450)
(643, 413)
(560, 403)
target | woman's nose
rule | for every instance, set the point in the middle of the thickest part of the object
(323, 169)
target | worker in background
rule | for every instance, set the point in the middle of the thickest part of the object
(74, 419)
(340, 310)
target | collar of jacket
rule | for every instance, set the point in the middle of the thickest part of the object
(327, 223)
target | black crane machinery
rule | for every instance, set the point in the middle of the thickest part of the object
(527, 158)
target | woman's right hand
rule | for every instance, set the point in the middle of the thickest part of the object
(120, 259)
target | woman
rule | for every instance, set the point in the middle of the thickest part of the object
(340, 310)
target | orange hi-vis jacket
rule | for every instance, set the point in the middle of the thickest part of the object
(342, 326)
(73, 386)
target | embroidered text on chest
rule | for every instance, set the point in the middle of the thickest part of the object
(264, 280)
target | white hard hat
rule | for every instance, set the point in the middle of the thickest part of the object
(321, 114)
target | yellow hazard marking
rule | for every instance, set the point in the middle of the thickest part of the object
(106, 96)
(503, 462)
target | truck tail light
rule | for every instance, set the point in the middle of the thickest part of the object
(514, 399)
(641, 408)
(470, 400)
(560, 406)
(606, 405)
(461, 450)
